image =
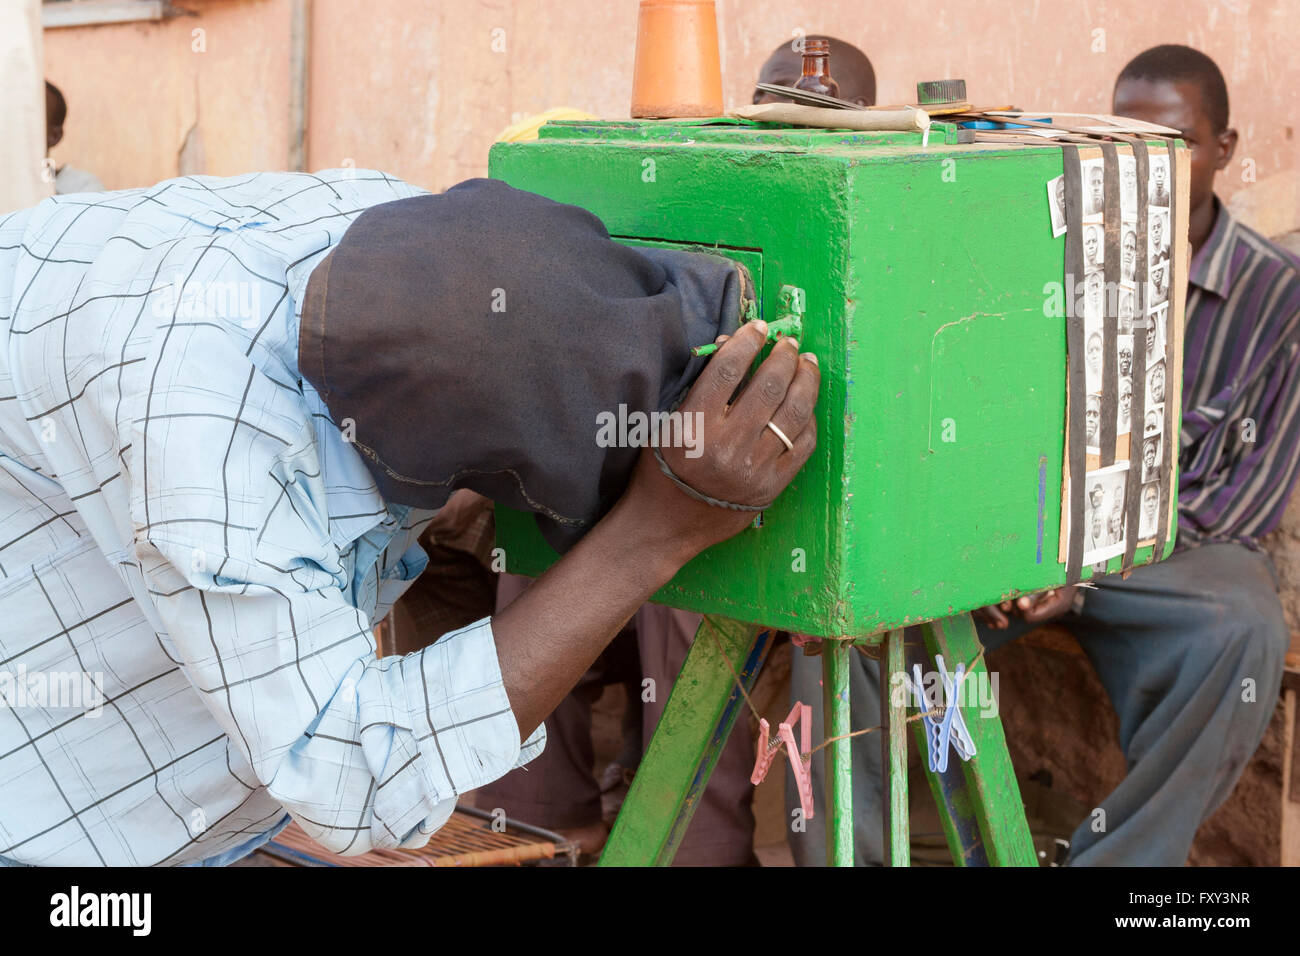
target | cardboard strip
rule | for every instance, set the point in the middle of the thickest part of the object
(1137, 414)
(1171, 355)
(1076, 390)
(1110, 298)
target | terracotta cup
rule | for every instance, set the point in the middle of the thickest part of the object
(677, 70)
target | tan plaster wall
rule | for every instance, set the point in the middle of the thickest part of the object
(421, 87)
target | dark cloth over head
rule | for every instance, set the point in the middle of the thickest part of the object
(473, 337)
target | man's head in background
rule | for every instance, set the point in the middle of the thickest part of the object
(1182, 88)
(56, 111)
(849, 65)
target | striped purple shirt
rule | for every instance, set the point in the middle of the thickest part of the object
(1241, 387)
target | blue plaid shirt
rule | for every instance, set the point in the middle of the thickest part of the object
(192, 555)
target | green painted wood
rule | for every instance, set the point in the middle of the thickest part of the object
(838, 755)
(893, 707)
(684, 749)
(925, 273)
(956, 814)
(988, 799)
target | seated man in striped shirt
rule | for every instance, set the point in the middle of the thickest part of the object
(1191, 649)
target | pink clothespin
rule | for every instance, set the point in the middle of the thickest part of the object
(768, 746)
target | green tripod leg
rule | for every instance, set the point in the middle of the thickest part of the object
(839, 753)
(979, 800)
(893, 744)
(696, 722)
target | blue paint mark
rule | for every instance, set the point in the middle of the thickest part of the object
(1042, 503)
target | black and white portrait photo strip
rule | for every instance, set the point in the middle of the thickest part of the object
(1124, 367)
(1103, 513)
(1094, 335)
(1141, 324)
(1097, 351)
(1094, 339)
(1156, 357)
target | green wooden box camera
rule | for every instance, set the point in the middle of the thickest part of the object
(936, 484)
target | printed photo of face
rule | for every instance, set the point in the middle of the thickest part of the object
(1095, 497)
(1128, 181)
(1126, 310)
(1125, 409)
(1096, 190)
(1157, 228)
(1128, 250)
(1125, 358)
(1156, 291)
(1056, 204)
(1151, 340)
(1093, 286)
(1152, 426)
(1160, 285)
(1094, 354)
(1148, 522)
(1150, 501)
(1150, 455)
(1092, 247)
(1115, 527)
(1159, 186)
(1157, 382)
(1092, 418)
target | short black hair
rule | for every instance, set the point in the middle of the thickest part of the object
(849, 65)
(56, 107)
(1175, 63)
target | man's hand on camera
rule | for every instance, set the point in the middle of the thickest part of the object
(741, 459)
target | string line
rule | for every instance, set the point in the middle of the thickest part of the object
(807, 757)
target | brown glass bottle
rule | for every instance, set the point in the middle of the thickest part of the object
(817, 69)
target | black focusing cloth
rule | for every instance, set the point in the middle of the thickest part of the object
(473, 337)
